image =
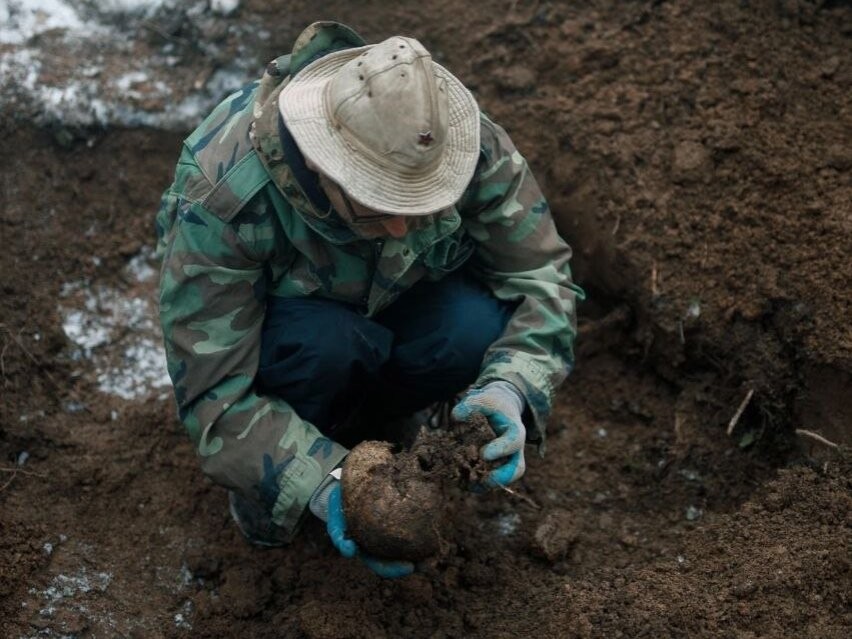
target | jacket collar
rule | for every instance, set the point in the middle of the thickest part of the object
(273, 144)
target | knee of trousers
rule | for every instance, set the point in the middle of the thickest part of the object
(455, 348)
(318, 346)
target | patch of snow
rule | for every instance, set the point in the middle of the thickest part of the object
(224, 7)
(85, 329)
(21, 20)
(139, 267)
(147, 7)
(693, 513)
(82, 63)
(20, 68)
(689, 474)
(507, 523)
(143, 368)
(693, 311)
(128, 80)
(185, 575)
(182, 617)
(118, 332)
(66, 586)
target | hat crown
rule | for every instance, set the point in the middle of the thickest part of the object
(389, 104)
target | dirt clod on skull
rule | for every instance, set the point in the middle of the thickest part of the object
(396, 502)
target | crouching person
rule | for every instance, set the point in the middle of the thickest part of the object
(346, 237)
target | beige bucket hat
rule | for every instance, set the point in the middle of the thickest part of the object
(397, 131)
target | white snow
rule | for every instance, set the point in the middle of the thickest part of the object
(143, 368)
(507, 523)
(65, 586)
(84, 63)
(20, 20)
(182, 618)
(224, 7)
(139, 266)
(117, 331)
(129, 6)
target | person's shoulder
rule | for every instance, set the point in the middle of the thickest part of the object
(219, 159)
(222, 139)
(494, 141)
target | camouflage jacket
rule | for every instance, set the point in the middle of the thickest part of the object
(236, 227)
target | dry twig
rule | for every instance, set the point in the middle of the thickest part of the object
(22, 471)
(13, 472)
(736, 418)
(816, 437)
(523, 498)
(655, 291)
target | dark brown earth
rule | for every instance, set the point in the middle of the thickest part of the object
(698, 158)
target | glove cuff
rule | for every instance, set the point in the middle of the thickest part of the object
(318, 503)
(509, 392)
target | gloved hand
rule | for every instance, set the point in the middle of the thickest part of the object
(502, 404)
(327, 504)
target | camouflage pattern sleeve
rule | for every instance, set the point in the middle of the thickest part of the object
(522, 259)
(212, 290)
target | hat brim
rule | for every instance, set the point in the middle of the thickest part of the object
(377, 187)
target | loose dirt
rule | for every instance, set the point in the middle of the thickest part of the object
(697, 156)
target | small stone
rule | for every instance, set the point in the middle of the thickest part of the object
(691, 163)
(555, 536)
(839, 156)
(693, 513)
(70, 622)
(74, 407)
(515, 78)
(201, 564)
(830, 66)
(224, 7)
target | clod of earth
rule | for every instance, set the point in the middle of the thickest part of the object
(396, 504)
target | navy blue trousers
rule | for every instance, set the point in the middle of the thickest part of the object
(328, 361)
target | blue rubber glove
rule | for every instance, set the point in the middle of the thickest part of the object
(502, 404)
(336, 526)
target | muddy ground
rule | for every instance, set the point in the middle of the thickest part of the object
(698, 156)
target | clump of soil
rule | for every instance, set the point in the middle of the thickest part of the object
(390, 503)
(396, 504)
